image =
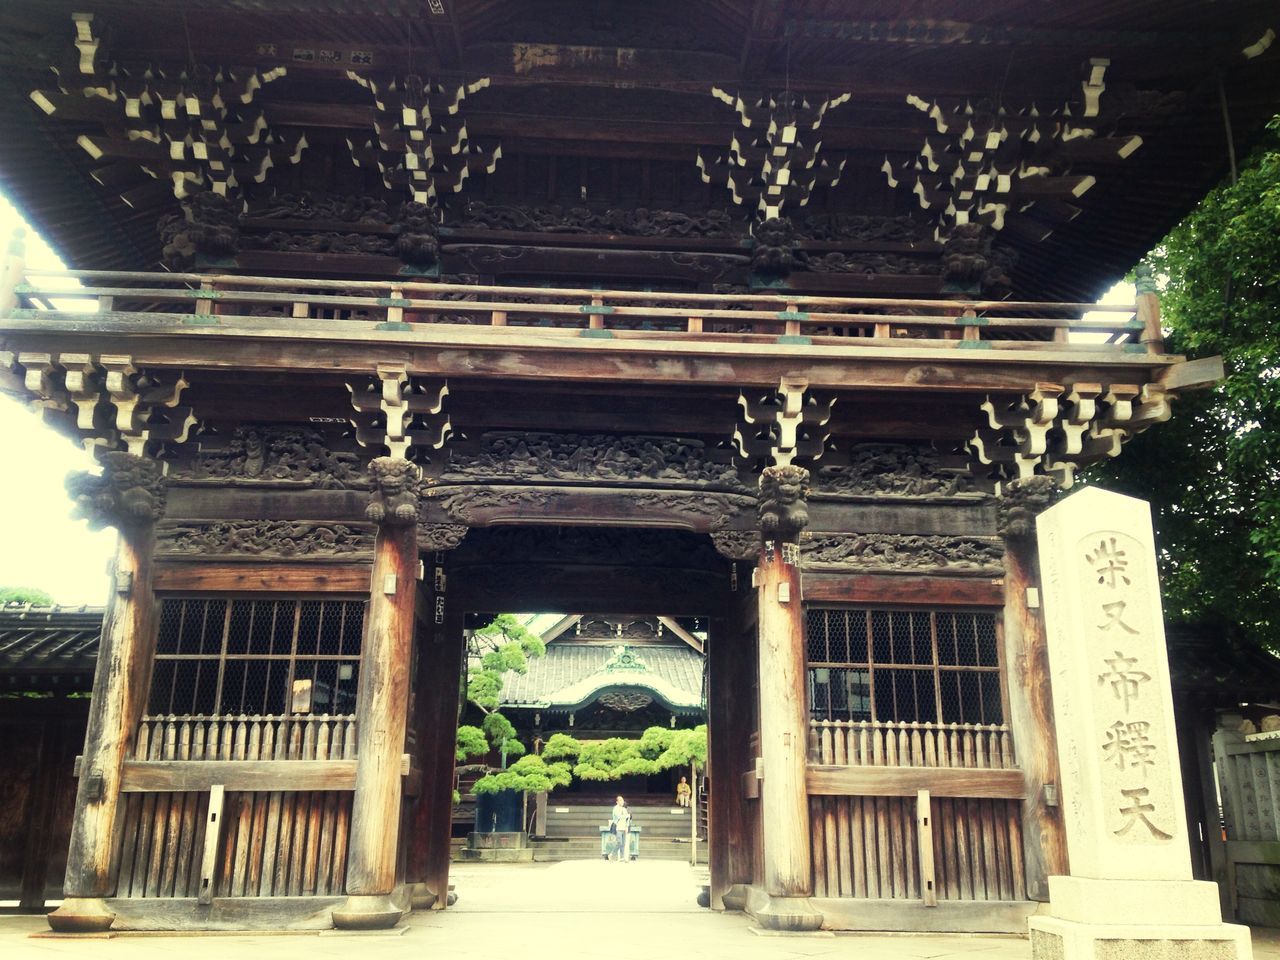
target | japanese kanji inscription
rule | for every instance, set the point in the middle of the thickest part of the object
(1113, 712)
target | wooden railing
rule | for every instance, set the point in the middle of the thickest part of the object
(910, 744)
(198, 737)
(209, 299)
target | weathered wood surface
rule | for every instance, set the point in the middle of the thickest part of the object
(895, 781)
(382, 712)
(254, 577)
(865, 743)
(731, 666)
(874, 848)
(948, 591)
(1031, 720)
(124, 660)
(246, 737)
(437, 691)
(784, 726)
(37, 795)
(158, 776)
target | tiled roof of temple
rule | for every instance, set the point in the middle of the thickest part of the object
(39, 643)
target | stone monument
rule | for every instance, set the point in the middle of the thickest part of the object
(1130, 893)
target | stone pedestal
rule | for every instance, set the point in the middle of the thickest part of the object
(1130, 894)
(1136, 920)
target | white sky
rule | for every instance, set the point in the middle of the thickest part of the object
(41, 546)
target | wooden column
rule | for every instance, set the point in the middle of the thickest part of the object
(437, 692)
(731, 664)
(1044, 836)
(129, 495)
(784, 720)
(383, 701)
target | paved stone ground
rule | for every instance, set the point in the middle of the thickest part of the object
(588, 909)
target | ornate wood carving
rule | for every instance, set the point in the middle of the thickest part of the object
(322, 207)
(263, 538)
(625, 702)
(973, 262)
(394, 500)
(774, 250)
(891, 469)
(494, 259)
(782, 510)
(738, 545)
(1020, 502)
(595, 458)
(271, 454)
(480, 506)
(129, 492)
(859, 228)
(440, 536)
(631, 221)
(208, 226)
(882, 552)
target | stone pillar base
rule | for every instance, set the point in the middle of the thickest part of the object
(787, 914)
(367, 913)
(420, 896)
(81, 915)
(1132, 919)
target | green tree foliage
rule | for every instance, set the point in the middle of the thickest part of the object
(658, 749)
(1213, 472)
(529, 774)
(503, 646)
(24, 595)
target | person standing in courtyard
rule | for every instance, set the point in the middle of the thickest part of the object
(683, 792)
(620, 826)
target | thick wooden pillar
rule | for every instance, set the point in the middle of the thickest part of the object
(1044, 836)
(784, 721)
(437, 695)
(383, 701)
(731, 664)
(129, 495)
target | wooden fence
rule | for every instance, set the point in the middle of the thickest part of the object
(282, 830)
(1249, 778)
(915, 811)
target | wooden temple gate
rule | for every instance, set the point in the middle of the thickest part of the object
(408, 360)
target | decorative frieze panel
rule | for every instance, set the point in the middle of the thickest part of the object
(593, 458)
(478, 506)
(302, 456)
(893, 470)
(630, 221)
(280, 539)
(903, 553)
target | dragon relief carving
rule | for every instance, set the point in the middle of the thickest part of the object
(890, 551)
(129, 493)
(890, 469)
(598, 457)
(394, 500)
(440, 536)
(738, 545)
(782, 510)
(277, 538)
(257, 454)
(553, 218)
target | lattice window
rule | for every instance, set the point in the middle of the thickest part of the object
(931, 666)
(223, 656)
